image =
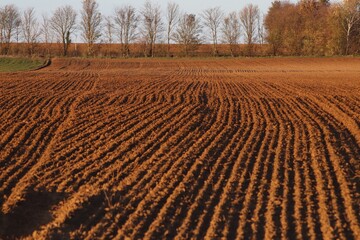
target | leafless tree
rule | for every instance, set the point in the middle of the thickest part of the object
(90, 24)
(30, 28)
(1, 27)
(261, 29)
(47, 34)
(152, 26)
(109, 32)
(9, 20)
(46, 31)
(188, 32)
(212, 21)
(126, 21)
(17, 30)
(109, 29)
(249, 17)
(172, 18)
(231, 31)
(350, 16)
(63, 24)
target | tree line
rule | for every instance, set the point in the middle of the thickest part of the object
(314, 27)
(308, 27)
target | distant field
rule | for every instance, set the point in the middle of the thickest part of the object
(256, 148)
(9, 64)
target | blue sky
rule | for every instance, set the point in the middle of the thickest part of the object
(108, 6)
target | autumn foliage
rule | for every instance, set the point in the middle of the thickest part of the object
(313, 28)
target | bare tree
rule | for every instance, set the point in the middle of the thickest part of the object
(63, 24)
(126, 21)
(47, 34)
(261, 29)
(152, 26)
(350, 16)
(188, 32)
(172, 18)
(231, 31)
(108, 33)
(17, 30)
(31, 31)
(46, 31)
(109, 29)
(249, 17)
(212, 20)
(2, 21)
(90, 24)
(9, 20)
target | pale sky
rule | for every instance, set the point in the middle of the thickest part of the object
(107, 6)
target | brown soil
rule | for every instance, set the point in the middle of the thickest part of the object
(183, 148)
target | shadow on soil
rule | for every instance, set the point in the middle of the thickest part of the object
(46, 64)
(29, 215)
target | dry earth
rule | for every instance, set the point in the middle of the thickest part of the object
(151, 149)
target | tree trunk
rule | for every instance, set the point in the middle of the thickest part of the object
(64, 48)
(347, 40)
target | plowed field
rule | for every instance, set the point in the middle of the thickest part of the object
(206, 149)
